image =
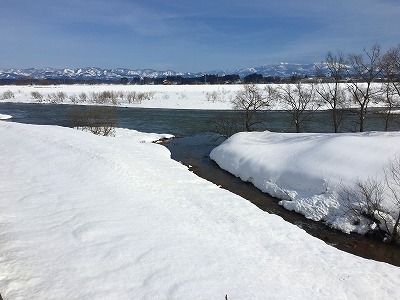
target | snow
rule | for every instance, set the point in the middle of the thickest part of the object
(5, 117)
(90, 217)
(309, 170)
(217, 97)
(163, 96)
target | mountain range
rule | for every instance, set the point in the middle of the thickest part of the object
(281, 69)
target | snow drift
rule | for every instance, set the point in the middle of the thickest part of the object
(90, 217)
(308, 170)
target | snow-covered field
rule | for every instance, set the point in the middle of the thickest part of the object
(90, 217)
(160, 96)
(309, 171)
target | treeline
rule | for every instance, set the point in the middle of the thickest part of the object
(180, 80)
(55, 81)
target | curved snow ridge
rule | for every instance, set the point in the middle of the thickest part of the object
(5, 117)
(307, 170)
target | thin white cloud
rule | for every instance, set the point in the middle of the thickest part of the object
(218, 33)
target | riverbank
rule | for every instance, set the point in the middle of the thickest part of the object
(86, 217)
(347, 180)
(205, 97)
(194, 153)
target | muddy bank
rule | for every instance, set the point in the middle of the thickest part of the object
(194, 151)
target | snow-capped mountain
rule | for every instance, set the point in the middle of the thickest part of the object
(82, 73)
(282, 69)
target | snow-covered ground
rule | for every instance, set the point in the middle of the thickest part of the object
(161, 96)
(90, 217)
(309, 171)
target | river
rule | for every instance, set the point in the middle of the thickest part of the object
(196, 140)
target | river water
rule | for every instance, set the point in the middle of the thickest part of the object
(194, 127)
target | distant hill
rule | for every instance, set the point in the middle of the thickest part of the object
(92, 73)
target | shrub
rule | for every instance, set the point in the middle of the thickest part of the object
(251, 100)
(96, 119)
(73, 98)
(376, 203)
(138, 97)
(82, 97)
(37, 96)
(213, 96)
(7, 95)
(56, 97)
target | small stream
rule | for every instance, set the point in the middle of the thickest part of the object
(193, 152)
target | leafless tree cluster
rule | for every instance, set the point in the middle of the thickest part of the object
(350, 79)
(56, 97)
(7, 95)
(137, 97)
(376, 201)
(367, 68)
(101, 98)
(227, 126)
(216, 96)
(331, 92)
(100, 120)
(361, 71)
(37, 96)
(301, 102)
(105, 97)
(390, 92)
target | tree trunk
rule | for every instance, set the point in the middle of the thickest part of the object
(335, 121)
(362, 117)
(396, 226)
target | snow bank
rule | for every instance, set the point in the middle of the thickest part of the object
(5, 117)
(90, 217)
(307, 170)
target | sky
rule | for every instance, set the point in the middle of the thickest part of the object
(189, 36)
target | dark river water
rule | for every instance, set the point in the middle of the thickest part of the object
(196, 139)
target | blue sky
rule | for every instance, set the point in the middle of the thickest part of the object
(189, 36)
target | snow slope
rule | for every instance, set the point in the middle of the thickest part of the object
(89, 217)
(308, 170)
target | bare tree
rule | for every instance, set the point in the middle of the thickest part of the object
(390, 89)
(376, 203)
(366, 69)
(392, 180)
(331, 92)
(251, 100)
(37, 96)
(363, 200)
(99, 120)
(227, 125)
(300, 99)
(391, 68)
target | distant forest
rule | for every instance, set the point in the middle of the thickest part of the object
(205, 79)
